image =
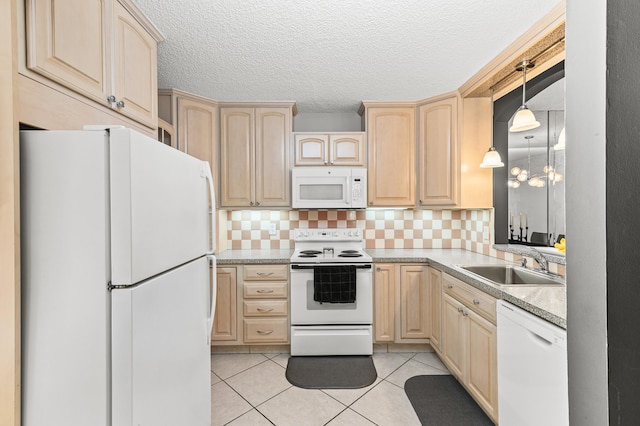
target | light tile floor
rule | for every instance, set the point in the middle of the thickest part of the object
(251, 389)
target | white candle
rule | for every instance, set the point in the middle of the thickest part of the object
(527, 217)
(520, 220)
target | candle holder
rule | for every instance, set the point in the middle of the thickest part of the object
(520, 238)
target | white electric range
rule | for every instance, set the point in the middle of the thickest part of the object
(331, 293)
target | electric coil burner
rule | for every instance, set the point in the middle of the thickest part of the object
(331, 293)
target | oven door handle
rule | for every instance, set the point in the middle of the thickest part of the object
(368, 266)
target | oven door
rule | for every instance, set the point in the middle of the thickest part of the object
(306, 311)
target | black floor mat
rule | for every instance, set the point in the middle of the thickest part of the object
(331, 372)
(442, 401)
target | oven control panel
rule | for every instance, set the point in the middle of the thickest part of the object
(327, 234)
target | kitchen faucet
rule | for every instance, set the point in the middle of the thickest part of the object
(542, 261)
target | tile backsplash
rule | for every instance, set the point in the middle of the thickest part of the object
(249, 229)
(463, 229)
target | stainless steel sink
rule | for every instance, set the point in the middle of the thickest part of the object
(513, 275)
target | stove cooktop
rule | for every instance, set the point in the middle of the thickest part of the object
(342, 245)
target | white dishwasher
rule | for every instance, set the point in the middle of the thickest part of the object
(532, 369)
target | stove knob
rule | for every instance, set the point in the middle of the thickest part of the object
(351, 233)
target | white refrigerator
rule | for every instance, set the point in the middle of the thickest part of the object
(118, 290)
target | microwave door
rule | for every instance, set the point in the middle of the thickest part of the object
(327, 192)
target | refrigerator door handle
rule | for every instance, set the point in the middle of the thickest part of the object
(213, 296)
(209, 177)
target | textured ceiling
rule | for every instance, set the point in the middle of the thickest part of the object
(330, 55)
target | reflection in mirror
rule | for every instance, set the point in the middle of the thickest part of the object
(536, 173)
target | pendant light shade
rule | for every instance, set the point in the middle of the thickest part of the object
(561, 139)
(524, 118)
(492, 159)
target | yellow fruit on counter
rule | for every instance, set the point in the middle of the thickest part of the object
(561, 246)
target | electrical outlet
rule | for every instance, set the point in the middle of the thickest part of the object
(272, 229)
(485, 234)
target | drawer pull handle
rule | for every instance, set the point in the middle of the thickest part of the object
(265, 310)
(264, 332)
(449, 285)
(264, 274)
(476, 302)
(265, 290)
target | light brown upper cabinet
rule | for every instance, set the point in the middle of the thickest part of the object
(195, 120)
(333, 149)
(391, 144)
(104, 50)
(254, 155)
(438, 158)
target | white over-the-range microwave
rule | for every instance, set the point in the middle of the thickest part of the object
(329, 187)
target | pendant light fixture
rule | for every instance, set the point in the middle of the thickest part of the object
(524, 118)
(491, 159)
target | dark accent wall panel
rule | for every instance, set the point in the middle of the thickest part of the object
(623, 210)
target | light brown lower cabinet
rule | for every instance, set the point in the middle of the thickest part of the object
(225, 325)
(435, 307)
(252, 305)
(469, 341)
(401, 303)
(265, 306)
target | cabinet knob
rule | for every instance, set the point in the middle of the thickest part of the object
(120, 104)
(460, 309)
(257, 203)
(111, 98)
(464, 313)
(476, 302)
(449, 285)
(250, 203)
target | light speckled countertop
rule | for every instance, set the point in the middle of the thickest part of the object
(235, 257)
(545, 302)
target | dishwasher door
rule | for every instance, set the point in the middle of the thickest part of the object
(532, 369)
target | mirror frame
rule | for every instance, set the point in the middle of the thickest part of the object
(503, 110)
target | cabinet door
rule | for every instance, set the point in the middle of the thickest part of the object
(225, 320)
(197, 126)
(482, 378)
(135, 81)
(236, 157)
(435, 307)
(272, 176)
(66, 44)
(391, 172)
(414, 307)
(384, 302)
(454, 336)
(438, 153)
(311, 150)
(346, 150)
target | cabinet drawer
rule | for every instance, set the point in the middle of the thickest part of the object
(262, 330)
(265, 308)
(475, 299)
(266, 272)
(270, 290)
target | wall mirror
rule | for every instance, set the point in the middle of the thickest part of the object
(536, 173)
(529, 192)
